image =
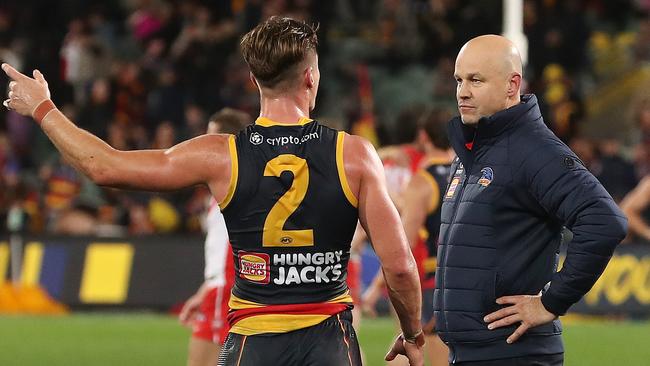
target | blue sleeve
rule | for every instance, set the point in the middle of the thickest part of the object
(568, 192)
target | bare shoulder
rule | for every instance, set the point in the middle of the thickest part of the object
(207, 142)
(209, 156)
(359, 154)
(211, 150)
(360, 161)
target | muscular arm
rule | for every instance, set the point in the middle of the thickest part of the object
(204, 159)
(382, 224)
(188, 163)
(633, 205)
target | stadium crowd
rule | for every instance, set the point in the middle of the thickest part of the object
(149, 73)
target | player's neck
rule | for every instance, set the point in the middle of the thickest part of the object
(283, 109)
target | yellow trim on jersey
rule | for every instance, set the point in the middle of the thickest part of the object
(429, 264)
(234, 172)
(276, 323)
(265, 122)
(340, 166)
(435, 193)
(237, 303)
(345, 297)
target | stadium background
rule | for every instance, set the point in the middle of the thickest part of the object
(147, 74)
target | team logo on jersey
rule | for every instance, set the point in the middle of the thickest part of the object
(256, 138)
(452, 187)
(486, 177)
(255, 267)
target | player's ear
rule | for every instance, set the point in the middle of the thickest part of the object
(309, 79)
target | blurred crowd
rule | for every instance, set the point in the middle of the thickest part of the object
(148, 73)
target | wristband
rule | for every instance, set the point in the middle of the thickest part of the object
(417, 338)
(42, 110)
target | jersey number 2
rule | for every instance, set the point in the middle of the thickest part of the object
(274, 234)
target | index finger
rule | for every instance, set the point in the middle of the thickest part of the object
(13, 73)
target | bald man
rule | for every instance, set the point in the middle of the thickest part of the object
(514, 186)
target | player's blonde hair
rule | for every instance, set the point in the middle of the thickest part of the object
(274, 49)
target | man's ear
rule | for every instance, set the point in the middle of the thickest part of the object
(309, 77)
(514, 85)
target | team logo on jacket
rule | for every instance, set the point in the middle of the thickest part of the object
(256, 138)
(486, 177)
(254, 267)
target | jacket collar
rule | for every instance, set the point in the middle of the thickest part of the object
(494, 125)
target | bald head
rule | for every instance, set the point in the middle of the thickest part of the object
(498, 50)
(488, 72)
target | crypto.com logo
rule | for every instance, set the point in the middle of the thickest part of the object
(256, 138)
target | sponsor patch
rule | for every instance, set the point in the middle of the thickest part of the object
(254, 267)
(256, 138)
(291, 140)
(452, 187)
(297, 268)
(487, 175)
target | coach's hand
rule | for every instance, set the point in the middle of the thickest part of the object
(25, 93)
(524, 309)
(413, 351)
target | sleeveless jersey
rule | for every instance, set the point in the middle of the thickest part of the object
(436, 172)
(290, 216)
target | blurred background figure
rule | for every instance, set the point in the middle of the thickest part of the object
(206, 311)
(421, 201)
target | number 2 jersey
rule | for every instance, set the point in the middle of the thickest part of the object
(290, 216)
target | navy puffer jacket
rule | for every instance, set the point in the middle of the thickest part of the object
(502, 216)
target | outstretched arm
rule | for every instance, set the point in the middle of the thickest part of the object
(204, 159)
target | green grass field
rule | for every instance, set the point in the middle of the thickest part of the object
(108, 339)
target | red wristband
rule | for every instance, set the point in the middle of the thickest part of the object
(43, 109)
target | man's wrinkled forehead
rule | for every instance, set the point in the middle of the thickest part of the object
(469, 64)
(474, 61)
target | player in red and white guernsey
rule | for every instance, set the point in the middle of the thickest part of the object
(207, 310)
